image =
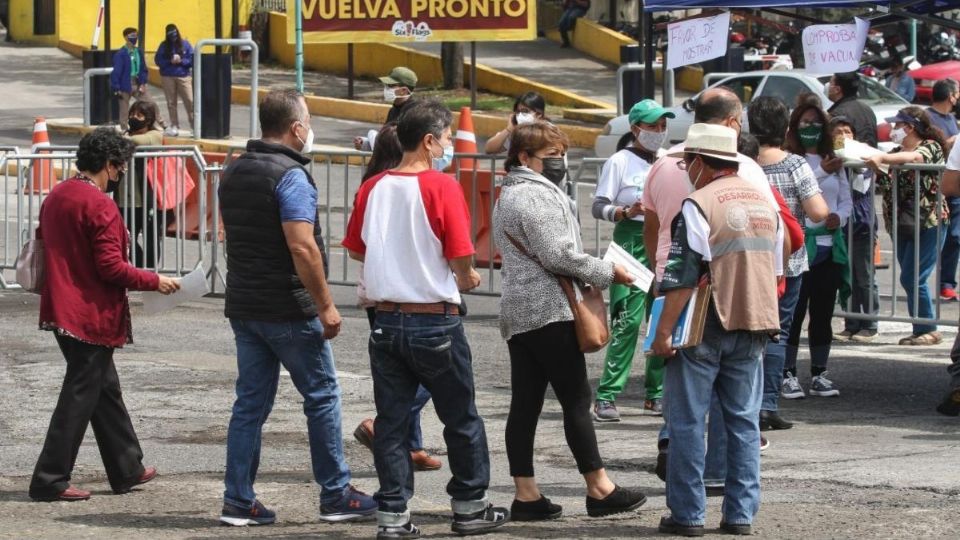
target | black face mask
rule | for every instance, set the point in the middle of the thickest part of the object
(136, 124)
(554, 169)
(112, 185)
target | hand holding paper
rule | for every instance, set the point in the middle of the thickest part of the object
(617, 255)
(189, 287)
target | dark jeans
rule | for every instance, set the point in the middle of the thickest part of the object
(568, 20)
(950, 253)
(549, 355)
(864, 297)
(818, 290)
(145, 250)
(90, 395)
(415, 440)
(775, 357)
(407, 351)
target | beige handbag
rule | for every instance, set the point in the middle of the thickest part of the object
(586, 303)
(30, 265)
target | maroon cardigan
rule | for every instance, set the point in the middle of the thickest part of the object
(86, 270)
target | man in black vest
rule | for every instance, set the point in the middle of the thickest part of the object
(281, 312)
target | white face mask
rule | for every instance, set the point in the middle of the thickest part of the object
(651, 140)
(389, 94)
(525, 118)
(307, 144)
(897, 135)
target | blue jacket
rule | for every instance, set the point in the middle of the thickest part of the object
(121, 76)
(168, 68)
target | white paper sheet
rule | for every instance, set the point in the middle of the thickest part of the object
(695, 40)
(617, 255)
(192, 286)
(834, 48)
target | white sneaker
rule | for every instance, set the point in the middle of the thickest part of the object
(791, 389)
(822, 386)
(171, 131)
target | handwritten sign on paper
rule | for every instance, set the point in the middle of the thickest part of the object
(834, 48)
(696, 40)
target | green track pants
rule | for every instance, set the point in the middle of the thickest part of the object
(628, 312)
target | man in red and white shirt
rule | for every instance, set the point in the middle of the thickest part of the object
(411, 228)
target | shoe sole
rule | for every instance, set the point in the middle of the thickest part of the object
(243, 522)
(388, 536)
(524, 516)
(340, 518)
(604, 420)
(680, 530)
(421, 468)
(863, 339)
(825, 393)
(59, 499)
(793, 395)
(611, 511)
(481, 528)
(737, 530)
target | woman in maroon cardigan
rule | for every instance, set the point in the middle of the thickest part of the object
(84, 302)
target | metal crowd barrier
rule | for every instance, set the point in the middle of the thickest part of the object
(187, 230)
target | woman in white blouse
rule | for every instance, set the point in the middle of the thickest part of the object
(808, 136)
(619, 191)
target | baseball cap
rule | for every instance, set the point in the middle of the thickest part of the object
(648, 111)
(401, 75)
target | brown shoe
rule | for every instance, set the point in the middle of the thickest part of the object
(930, 338)
(364, 433)
(149, 474)
(422, 461)
(73, 494)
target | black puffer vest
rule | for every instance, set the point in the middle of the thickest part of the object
(262, 283)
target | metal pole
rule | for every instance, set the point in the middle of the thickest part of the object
(254, 77)
(649, 54)
(298, 60)
(142, 26)
(473, 75)
(218, 82)
(913, 38)
(106, 25)
(349, 70)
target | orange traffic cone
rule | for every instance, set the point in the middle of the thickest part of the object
(465, 141)
(41, 170)
(877, 259)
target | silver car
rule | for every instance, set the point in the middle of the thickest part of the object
(786, 85)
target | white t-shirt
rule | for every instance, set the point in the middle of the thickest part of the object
(953, 160)
(622, 179)
(836, 192)
(409, 226)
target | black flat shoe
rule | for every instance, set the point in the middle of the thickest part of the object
(618, 501)
(770, 420)
(539, 510)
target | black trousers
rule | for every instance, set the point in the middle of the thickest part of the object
(90, 395)
(818, 295)
(538, 357)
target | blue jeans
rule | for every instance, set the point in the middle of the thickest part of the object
(950, 253)
(775, 357)
(568, 20)
(407, 351)
(728, 364)
(909, 274)
(299, 346)
(415, 438)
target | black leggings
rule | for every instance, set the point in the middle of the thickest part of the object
(549, 355)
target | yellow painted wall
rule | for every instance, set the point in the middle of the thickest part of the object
(76, 20)
(377, 59)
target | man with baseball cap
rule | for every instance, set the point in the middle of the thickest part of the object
(727, 233)
(397, 90)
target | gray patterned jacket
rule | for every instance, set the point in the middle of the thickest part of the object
(538, 215)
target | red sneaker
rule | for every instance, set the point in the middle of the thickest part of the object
(948, 295)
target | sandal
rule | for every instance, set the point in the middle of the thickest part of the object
(930, 338)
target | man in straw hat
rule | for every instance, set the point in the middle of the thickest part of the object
(729, 234)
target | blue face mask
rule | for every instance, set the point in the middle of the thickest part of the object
(445, 159)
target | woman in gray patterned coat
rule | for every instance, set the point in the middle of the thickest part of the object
(535, 319)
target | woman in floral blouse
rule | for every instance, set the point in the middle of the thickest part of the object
(919, 142)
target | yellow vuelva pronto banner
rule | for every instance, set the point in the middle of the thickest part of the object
(380, 21)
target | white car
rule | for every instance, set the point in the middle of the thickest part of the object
(786, 85)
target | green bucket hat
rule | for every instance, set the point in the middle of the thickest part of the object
(648, 111)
